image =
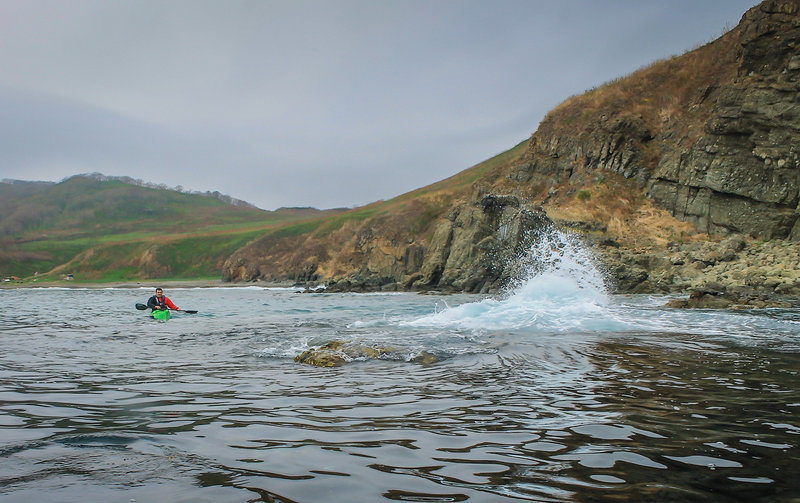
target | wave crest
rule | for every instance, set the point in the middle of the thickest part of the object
(560, 289)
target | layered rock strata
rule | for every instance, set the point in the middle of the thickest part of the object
(713, 136)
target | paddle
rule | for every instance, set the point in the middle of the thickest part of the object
(142, 307)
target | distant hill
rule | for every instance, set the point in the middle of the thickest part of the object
(109, 228)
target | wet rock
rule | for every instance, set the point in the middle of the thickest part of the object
(337, 353)
(425, 358)
(708, 299)
(717, 296)
(325, 356)
(474, 249)
(677, 303)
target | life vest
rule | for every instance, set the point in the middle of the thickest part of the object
(161, 302)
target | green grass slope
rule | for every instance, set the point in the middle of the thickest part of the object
(109, 230)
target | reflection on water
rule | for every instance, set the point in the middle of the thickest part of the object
(100, 403)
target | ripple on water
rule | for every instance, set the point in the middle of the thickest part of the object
(114, 407)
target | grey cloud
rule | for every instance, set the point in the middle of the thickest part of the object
(369, 99)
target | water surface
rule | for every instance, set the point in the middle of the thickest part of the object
(553, 392)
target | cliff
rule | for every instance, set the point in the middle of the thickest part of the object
(659, 171)
(711, 136)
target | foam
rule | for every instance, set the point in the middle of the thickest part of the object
(561, 290)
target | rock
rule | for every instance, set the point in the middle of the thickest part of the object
(677, 303)
(409, 281)
(727, 255)
(713, 288)
(626, 279)
(425, 358)
(716, 296)
(705, 299)
(492, 202)
(390, 287)
(325, 356)
(735, 243)
(609, 242)
(475, 250)
(337, 353)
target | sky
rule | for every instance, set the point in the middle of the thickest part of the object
(334, 103)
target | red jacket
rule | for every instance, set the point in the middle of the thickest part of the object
(153, 302)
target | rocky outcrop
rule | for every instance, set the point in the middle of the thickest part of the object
(472, 249)
(715, 296)
(475, 247)
(749, 272)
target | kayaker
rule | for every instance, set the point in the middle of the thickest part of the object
(159, 301)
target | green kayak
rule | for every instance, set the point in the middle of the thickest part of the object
(161, 315)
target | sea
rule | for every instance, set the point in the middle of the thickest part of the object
(552, 391)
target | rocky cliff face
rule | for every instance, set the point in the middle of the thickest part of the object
(475, 247)
(472, 248)
(712, 136)
(709, 140)
(742, 173)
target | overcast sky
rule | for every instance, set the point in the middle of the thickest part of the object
(309, 103)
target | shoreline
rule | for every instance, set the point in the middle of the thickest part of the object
(710, 296)
(166, 284)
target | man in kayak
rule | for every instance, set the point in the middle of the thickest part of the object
(160, 302)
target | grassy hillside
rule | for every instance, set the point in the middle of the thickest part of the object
(109, 230)
(371, 237)
(413, 211)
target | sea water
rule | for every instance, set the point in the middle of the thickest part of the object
(552, 391)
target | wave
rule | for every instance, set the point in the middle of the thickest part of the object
(561, 289)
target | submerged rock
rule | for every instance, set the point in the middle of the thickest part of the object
(325, 356)
(337, 353)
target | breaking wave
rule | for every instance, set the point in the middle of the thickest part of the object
(562, 289)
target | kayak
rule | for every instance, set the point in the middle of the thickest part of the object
(165, 314)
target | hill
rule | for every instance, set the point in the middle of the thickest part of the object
(681, 174)
(101, 228)
(368, 247)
